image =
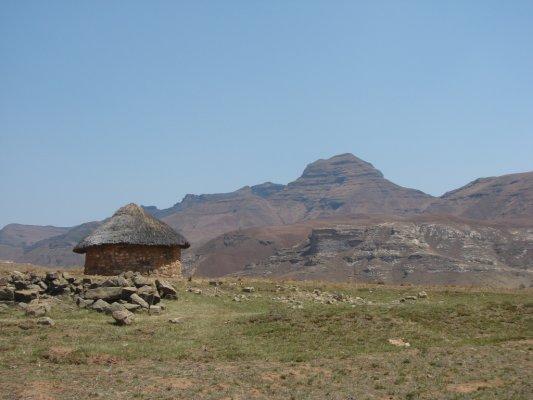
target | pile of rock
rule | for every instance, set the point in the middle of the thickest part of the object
(117, 295)
(20, 287)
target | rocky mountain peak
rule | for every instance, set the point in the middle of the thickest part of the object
(337, 170)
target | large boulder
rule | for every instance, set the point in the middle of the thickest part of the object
(139, 280)
(58, 286)
(123, 317)
(104, 293)
(136, 299)
(116, 307)
(149, 294)
(25, 296)
(22, 285)
(83, 303)
(116, 281)
(128, 291)
(101, 306)
(7, 293)
(166, 290)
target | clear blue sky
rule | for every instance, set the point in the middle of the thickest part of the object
(107, 102)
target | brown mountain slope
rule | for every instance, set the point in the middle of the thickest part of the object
(203, 217)
(504, 197)
(57, 250)
(340, 185)
(19, 235)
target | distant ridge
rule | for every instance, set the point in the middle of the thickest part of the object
(340, 188)
(501, 197)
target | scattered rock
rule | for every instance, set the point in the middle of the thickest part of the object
(83, 303)
(248, 289)
(131, 307)
(37, 309)
(194, 290)
(422, 295)
(46, 321)
(178, 320)
(123, 317)
(154, 310)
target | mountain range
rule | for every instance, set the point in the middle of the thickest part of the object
(250, 230)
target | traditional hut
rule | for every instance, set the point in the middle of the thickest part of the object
(132, 240)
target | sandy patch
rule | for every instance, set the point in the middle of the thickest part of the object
(469, 387)
(38, 390)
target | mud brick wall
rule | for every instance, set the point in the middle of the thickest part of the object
(114, 259)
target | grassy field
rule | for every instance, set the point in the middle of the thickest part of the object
(279, 342)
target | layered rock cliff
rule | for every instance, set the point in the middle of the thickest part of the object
(402, 251)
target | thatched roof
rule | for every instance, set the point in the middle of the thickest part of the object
(132, 225)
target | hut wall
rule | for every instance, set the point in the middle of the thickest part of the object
(114, 259)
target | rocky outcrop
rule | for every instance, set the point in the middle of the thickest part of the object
(396, 252)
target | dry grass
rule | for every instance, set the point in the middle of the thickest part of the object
(464, 344)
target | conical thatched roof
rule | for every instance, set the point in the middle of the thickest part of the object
(132, 225)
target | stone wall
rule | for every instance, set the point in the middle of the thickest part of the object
(114, 259)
